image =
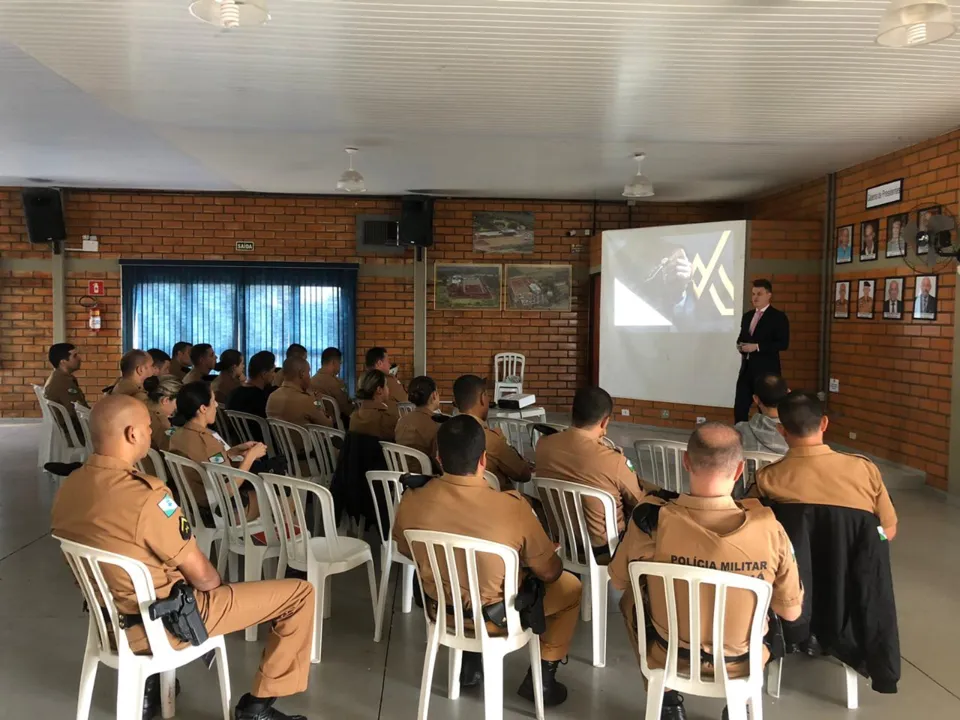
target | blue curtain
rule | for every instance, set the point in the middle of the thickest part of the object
(250, 307)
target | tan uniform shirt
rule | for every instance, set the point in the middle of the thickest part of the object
(323, 383)
(715, 533)
(418, 431)
(129, 387)
(290, 403)
(502, 460)
(62, 388)
(864, 304)
(374, 419)
(177, 370)
(193, 376)
(223, 386)
(819, 476)
(467, 506)
(200, 446)
(108, 505)
(160, 428)
(398, 393)
(574, 456)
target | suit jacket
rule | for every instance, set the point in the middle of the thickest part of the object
(897, 307)
(931, 304)
(772, 334)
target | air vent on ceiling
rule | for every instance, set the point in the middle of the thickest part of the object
(378, 234)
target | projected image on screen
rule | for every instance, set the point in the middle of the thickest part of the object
(671, 301)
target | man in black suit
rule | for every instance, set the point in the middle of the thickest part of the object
(925, 304)
(893, 305)
(764, 332)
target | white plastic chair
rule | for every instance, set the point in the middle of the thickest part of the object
(492, 480)
(535, 434)
(243, 424)
(83, 417)
(306, 467)
(517, 432)
(775, 675)
(508, 373)
(156, 467)
(390, 490)
(332, 408)
(48, 439)
(70, 448)
(327, 442)
(321, 557)
(222, 424)
(404, 408)
(753, 460)
(452, 631)
(206, 536)
(739, 693)
(661, 462)
(132, 670)
(398, 459)
(563, 503)
(607, 442)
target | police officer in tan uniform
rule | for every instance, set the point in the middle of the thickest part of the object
(374, 416)
(197, 442)
(418, 429)
(161, 362)
(295, 350)
(379, 359)
(470, 396)
(230, 368)
(327, 380)
(109, 505)
(812, 473)
(180, 360)
(204, 360)
(577, 455)
(62, 386)
(292, 401)
(161, 404)
(135, 367)
(461, 502)
(707, 529)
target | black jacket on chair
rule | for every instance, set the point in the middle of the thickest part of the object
(772, 334)
(351, 494)
(848, 601)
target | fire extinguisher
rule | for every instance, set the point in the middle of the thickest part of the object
(93, 322)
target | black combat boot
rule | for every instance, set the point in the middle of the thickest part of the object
(471, 669)
(554, 692)
(254, 708)
(673, 706)
(151, 697)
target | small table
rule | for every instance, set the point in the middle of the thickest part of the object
(532, 413)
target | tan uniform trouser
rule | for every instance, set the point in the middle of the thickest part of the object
(286, 604)
(561, 605)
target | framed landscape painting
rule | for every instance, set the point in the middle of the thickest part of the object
(539, 287)
(459, 286)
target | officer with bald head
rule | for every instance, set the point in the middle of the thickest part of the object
(109, 505)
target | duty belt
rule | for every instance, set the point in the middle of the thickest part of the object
(705, 657)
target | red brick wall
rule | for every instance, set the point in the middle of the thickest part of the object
(807, 201)
(26, 320)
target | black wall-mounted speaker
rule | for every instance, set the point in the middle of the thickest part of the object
(43, 211)
(416, 221)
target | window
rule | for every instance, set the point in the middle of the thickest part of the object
(249, 307)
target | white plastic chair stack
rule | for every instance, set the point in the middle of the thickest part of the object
(453, 632)
(320, 557)
(132, 670)
(753, 460)
(206, 536)
(243, 424)
(535, 433)
(328, 442)
(332, 408)
(386, 491)
(563, 503)
(83, 417)
(508, 374)
(154, 466)
(405, 408)
(739, 693)
(70, 448)
(661, 462)
(48, 438)
(398, 459)
(517, 432)
(305, 467)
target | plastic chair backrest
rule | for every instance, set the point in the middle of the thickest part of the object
(563, 502)
(699, 580)
(42, 402)
(82, 411)
(159, 470)
(664, 462)
(64, 423)
(287, 497)
(398, 459)
(243, 423)
(178, 465)
(442, 552)
(87, 566)
(284, 433)
(222, 424)
(405, 407)
(517, 432)
(328, 442)
(753, 460)
(332, 408)
(390, 491)
(537, 428)
(230, 479)
(83, 417)
(509, 365)
(492, 480)
(607, 442)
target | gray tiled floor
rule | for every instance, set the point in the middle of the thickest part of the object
(44, 631)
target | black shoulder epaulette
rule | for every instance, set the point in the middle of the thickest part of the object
(414, 481)
(440, 418)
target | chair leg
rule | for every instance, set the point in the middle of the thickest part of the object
(736, 706)
(598, 601)
(853, 692)
(585, 599)
(233, 563)
(537, 672)
(407, 598)
(755, 705)
(130, 692)
(654, 695)
(319, 583)
(492, 686)
(328, 597)
(168, 693)
(88, 678)
(429, 660)
(372, 578)
(223, 672)
(454, 663)
(252, 571)
(774, 677)
(385, 564)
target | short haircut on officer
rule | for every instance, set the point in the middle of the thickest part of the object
(131, 361)
(179, 347)
(591, 405)
(800, 414)
(467, 390)
(420, 390)
(297, 350)
(369, 383)
(374, 355)
(294, 367)
(461, 443)
(714, 447)
(199, 352)
(331, 354)
(159, 356)
(59, 352)
(192, 397)
(770, 389)
(763, 283)
(261, 362)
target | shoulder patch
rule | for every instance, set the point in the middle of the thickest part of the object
(318, 403)
(216, 436)
(72, 391)
(169, 432)
(167, 506)
(185, 530)
(217, 459)
(629, 464)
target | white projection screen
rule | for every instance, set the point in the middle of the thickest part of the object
(671, 299)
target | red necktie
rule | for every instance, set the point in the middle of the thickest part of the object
(756, 319)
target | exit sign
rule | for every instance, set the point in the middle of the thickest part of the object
(95, 288)
(245, 246)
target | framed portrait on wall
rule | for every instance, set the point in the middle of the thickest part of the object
(896, 242)
(925, 297)
(844, 244)
(841, 299)
(893, 298)
(869, 239)
(865, 299)
(923, 232)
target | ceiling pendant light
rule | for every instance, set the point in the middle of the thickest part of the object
(351, 181)
(231, 14)
(908, 23)
(640, 186)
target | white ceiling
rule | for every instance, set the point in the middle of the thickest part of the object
(505, 98)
